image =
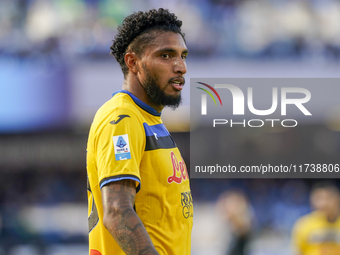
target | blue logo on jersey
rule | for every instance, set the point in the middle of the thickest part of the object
(121, 142)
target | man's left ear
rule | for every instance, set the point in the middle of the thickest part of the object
(131, 59)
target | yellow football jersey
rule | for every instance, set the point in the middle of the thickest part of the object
(128, 140)
(313, 234)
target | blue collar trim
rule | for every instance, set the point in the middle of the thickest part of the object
(140, 103)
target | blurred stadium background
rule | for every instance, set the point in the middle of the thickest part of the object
(56, 71)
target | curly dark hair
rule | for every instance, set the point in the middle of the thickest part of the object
(137, 30)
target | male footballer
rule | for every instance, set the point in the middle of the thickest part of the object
(318, 233)
(138, 186)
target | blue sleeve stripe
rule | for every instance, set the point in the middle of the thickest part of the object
(119, 178)
(158, 129)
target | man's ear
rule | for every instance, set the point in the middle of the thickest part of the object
(131, 59)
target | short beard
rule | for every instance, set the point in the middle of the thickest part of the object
(157, 96)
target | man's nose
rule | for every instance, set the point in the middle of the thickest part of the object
(180, 66)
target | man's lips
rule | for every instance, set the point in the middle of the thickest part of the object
(177, 83)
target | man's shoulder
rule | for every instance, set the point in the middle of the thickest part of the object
(309, 216)
(119, 100)
(309, 220)
(120, 109)
(119, 103)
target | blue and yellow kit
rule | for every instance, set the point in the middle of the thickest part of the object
(128, 140)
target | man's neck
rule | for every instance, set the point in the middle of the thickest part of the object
(133, 85)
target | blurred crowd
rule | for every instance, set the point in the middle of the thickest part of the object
(256, 28)
(23, 197)
(253, 207)
(276, 203)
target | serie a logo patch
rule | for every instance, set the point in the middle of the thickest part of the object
(121, 147)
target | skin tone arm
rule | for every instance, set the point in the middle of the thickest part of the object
(121, 220)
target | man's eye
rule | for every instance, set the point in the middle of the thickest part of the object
(166, 56)
(184, 56)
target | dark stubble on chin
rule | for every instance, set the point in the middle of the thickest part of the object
(158, 96)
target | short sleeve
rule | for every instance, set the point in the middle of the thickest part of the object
(119, 143)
